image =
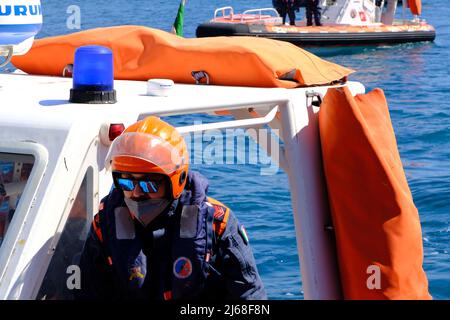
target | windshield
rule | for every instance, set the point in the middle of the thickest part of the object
(15, 171)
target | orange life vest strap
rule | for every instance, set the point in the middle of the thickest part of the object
(97, 229)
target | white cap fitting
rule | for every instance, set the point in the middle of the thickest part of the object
(159, 87)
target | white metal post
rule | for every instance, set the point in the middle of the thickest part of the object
(316, 250)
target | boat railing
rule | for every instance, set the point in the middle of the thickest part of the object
(270, 16)
(261, 10)
(223, 10)
(259, 16)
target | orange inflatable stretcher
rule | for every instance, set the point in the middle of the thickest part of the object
(142, 53)
(377, 227)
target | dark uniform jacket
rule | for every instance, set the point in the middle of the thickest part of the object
(195, 250)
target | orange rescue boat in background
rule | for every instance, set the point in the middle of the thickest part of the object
(344, 22)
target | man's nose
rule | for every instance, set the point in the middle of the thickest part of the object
(137, 192)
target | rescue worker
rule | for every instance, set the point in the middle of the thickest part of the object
(287, 8)
(312, 8)
(278, 4)
(157, 234)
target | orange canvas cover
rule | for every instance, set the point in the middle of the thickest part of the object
(378, 232)
(142, 53)
(415, 6)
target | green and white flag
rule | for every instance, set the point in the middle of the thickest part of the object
(179, 21)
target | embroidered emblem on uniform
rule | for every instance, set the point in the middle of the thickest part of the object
(135, 272)
(182, 268)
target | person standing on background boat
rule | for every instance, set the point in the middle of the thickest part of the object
(287, 8)
(157, 235)
(278, 4)
(312, 8)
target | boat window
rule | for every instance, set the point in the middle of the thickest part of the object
(15, 170)
(58, 283)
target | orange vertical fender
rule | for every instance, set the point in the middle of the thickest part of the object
(415, 6)
(377, 227)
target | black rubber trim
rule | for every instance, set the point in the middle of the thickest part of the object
(92, 97)
(350, 38)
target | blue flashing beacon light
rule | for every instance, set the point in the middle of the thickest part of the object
(93, 76)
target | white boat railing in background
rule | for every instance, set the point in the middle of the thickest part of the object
(276, 19)
(223, 10)
(260, 15)
(260, 11)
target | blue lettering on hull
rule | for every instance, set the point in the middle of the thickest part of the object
(5, 10)
(31, 10)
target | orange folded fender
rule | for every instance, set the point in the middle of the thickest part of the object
(142, 53)
(377, 227)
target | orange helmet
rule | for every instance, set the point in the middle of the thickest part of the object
(151, 146)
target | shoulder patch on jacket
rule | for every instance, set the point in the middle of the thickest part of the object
(243, 234)
(221, 214)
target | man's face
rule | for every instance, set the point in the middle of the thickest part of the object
(138, 194)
